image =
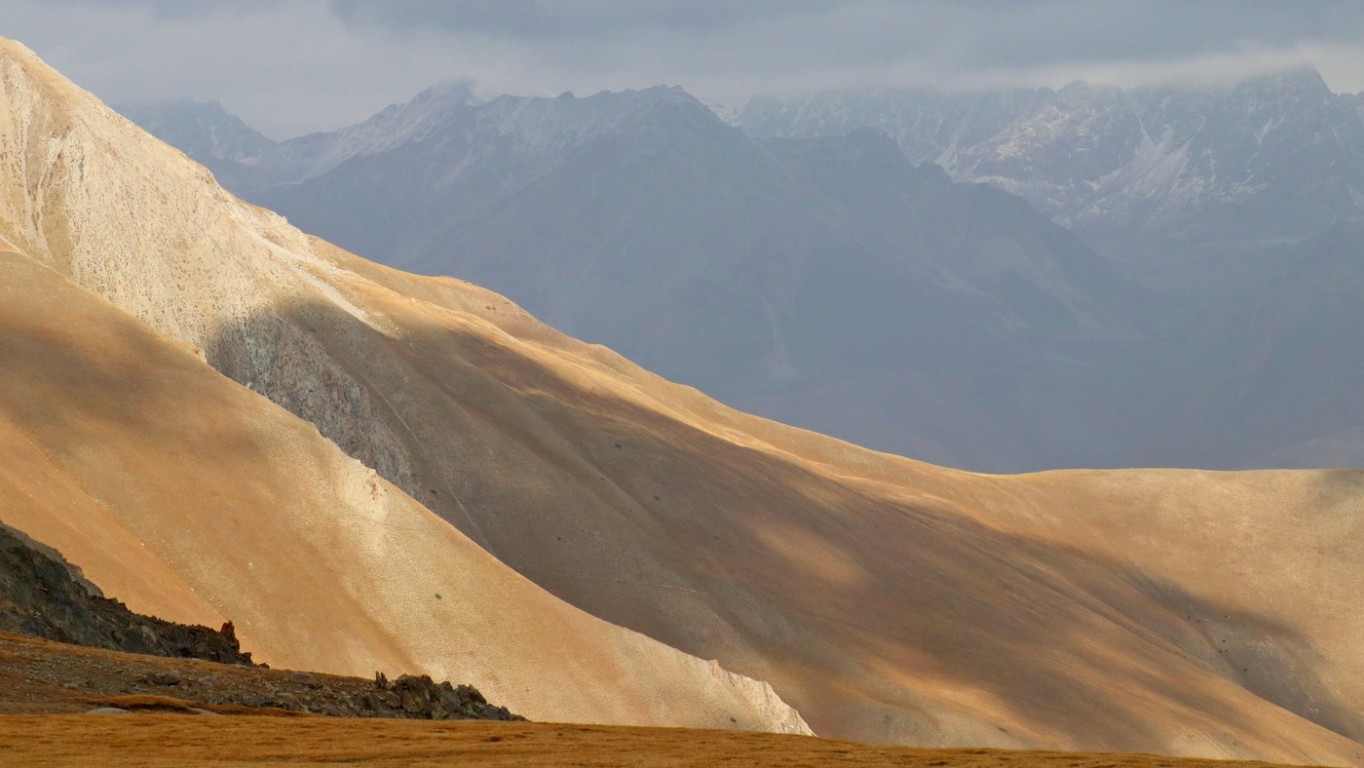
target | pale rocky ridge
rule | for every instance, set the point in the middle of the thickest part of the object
(194, 499)
(888, 600)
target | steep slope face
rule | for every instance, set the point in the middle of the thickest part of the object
(889, 600)
(826, 283)
(197, 500)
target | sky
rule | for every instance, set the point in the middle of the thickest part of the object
(288, 67)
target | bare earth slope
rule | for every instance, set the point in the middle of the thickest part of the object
(195, 499)
(1177, 612)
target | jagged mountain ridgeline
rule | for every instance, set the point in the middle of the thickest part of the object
(1193, 189)
(823, 272)
(217, 416)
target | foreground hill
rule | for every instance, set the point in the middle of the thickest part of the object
(171, 741)
(196, 500)
(45, 677)
(887, 600)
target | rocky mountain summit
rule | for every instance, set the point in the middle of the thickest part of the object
(1229, 201)
(205, 131)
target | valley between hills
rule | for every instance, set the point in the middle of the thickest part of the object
(219, 418)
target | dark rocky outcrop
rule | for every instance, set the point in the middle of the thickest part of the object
(423, 698)
(44, 596)
(409, 697)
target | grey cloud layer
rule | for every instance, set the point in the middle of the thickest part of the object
(985, 32)
(293, 65)
(574, 18)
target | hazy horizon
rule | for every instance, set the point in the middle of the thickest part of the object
(293, 67)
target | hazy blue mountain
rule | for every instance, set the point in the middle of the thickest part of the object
(838, 283)
(1245, 200)
(206, 132)
(1189, 189)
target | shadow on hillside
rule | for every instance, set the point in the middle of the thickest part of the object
(841, 596)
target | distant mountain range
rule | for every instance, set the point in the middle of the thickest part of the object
(1189, 189)
(823, 270)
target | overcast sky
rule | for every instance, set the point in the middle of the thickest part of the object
(292, 66)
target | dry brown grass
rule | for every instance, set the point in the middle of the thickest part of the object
(172, 705)
(161, 741)
(45, 685)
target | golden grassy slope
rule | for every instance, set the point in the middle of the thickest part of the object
(890, 601)
(46, 678)
(173, 741)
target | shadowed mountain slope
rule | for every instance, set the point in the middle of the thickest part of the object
(206, 132)
(192, 498)
(888, 600)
